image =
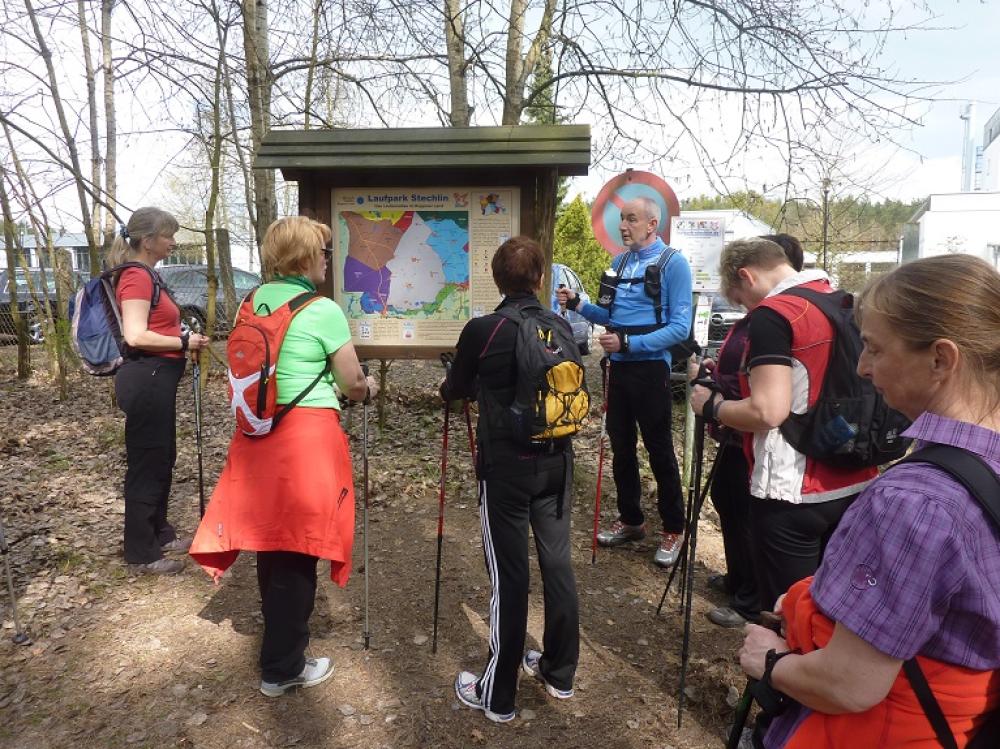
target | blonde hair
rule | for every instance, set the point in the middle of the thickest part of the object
(145, 222)
(292, 243)
(954, 297)
(741, 253)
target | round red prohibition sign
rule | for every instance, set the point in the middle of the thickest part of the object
(605, 216)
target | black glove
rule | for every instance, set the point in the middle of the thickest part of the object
(572, 303)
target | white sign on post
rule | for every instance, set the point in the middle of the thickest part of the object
(701, 241)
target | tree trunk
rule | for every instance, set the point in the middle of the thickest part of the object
(20, 323)
(260, 79)
(110, 125)
(95, 151)
(227, 85)
(454, 35)
(68, 139)
(311, 72)
(224, 251)
(521, 65)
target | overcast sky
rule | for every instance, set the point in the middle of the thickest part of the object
(964, 53)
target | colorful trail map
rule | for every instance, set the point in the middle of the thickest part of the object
(408, 264)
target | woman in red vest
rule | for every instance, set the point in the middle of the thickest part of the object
(146, 388)
(289, 495)
(913, 570)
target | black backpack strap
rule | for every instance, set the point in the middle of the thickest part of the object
(932, 709)
(661, 263)
(981, 482)
(966, 468)
(158, 285)
(296, 304)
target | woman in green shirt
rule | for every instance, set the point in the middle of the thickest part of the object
(289, 495)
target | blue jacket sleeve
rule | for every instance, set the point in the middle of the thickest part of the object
(677, 301)
(593, 313)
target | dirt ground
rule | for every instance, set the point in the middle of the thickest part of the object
(125, 661)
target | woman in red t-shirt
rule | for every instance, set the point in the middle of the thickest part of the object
(146, 388)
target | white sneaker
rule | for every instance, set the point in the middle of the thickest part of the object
(465, 690)
(529, 664)
(316, 671)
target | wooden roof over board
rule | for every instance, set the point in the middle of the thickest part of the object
(562, 147)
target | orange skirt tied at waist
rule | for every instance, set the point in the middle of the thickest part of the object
(292, 490)
(965, 696)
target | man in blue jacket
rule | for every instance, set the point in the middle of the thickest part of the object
(651, 312)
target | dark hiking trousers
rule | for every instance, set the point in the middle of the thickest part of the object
(731, 497)
(789, 541)
(146, 390)
(287, 583)
(513, 496)
(639, 394)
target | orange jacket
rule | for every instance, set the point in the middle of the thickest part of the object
(292, 490)
(965, 696)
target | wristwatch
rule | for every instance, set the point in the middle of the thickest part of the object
(185, 340)
(770, 658)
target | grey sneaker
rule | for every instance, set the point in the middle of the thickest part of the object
(316, 671)
(161, 566)
(529, 664)
(726, 617)
(178, 544)
(465, 690)
(669, 549)
(619, 533)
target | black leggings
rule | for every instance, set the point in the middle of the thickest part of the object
(287, 583)
(789, 541)
(146, 390)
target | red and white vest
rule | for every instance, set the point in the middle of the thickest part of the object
(779, 471)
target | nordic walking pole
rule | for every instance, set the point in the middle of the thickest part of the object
(440, 528)
(468, 428)
(684, 544)
(20, 636)
(196, 384)
(687, 597)
(364, 453)
(742, 713)
(605, 365)
(772, 622)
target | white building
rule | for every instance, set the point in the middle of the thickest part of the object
(991, 154)
(955, 222)
(74, 244)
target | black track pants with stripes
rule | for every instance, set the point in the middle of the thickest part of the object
(514, 495)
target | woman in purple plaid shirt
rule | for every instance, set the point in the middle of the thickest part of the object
(914, 567)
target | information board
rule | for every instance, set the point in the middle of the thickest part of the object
(701, 241)
(412, 265)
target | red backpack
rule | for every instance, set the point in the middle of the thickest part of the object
(252, 351)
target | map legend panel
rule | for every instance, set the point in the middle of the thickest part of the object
(413, 265)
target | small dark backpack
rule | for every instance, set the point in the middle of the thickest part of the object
(850, 425)
(551, 400)
(96, 331)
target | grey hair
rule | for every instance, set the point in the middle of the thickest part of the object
(652, 208)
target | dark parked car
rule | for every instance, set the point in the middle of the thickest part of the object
(189, 286)
(25, 302)
(724, 316)
(583, 330)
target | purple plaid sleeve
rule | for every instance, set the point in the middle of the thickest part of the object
(890, 573)
(915, 565)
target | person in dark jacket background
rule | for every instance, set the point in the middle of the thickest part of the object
(519, 485)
